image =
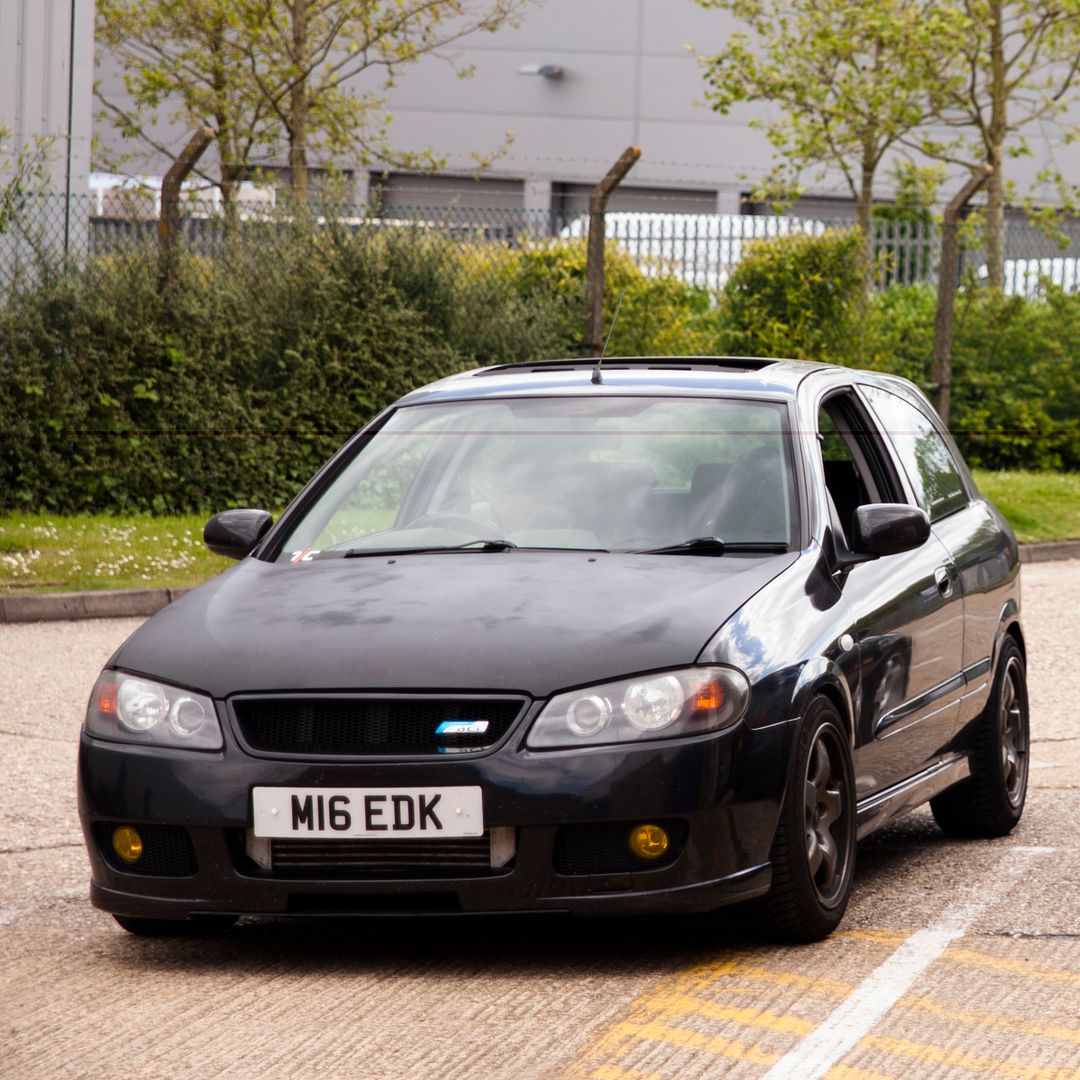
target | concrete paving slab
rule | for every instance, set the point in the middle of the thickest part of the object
(521, 999)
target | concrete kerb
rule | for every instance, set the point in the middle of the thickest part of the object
(96, 604)
(128, 603)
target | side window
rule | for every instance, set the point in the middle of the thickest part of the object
(924, 454)
(849, 476)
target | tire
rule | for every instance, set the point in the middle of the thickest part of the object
(200, 926)
(989, 803)
(813, 854)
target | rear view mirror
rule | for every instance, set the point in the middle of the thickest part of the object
(888, 529)
(234, 533)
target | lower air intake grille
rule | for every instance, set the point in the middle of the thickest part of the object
(167, 850)
(457, 857)
(602, 848)
(348, 726)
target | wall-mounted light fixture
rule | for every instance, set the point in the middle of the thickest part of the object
(548, 71)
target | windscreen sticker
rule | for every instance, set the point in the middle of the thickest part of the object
(303, 555)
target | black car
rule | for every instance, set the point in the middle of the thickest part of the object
(662, 636)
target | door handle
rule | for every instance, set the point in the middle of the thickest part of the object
(944, 582)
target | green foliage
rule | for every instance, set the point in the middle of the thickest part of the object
(796, 296)
(1016, 370)
(311, 75)
(843, 90)
(660, 314)
(268, 355)
(263, 361)
(249, 378)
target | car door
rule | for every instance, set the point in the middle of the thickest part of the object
(907, 609)
(982, 548)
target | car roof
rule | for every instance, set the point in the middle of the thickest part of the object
(706, 375)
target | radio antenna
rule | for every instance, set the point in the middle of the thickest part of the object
(597, 378)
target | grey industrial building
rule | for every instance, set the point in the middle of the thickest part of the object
(573, 84)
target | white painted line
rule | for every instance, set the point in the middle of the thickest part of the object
(857, 1014)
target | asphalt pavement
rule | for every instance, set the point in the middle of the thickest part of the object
(955, 959)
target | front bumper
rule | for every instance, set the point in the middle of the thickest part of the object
(727, 788)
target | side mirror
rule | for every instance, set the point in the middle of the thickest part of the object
(888, 529)
(234, 533)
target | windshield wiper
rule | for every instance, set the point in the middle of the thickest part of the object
(713, 545)
(472, 545)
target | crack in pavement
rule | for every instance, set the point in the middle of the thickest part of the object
(39, 847)
(30, 735)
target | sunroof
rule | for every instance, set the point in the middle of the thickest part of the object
(647, 363)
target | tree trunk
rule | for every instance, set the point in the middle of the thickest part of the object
(594, 259)
(996, 132)
(941, 364)
(864, 211)
(169, 221)
(298, 105)
(230, 188)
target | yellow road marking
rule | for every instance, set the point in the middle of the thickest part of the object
(846, 1072)
(668, 1006)
(961, 1059)
(993, 1020)
(613, 1072)
(681, 994)
(1030, 968)
(684, 1038)
(756, 973)
(879, 937)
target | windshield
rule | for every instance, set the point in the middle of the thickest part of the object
(584, 473)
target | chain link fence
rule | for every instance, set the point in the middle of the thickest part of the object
(699, 249)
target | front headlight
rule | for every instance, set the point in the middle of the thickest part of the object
(129, 708)
(691, 701)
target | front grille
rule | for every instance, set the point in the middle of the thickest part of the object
(449, 857)
(602, 848)
(167, 850)
(344, 726)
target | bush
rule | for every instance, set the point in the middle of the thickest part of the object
(797, 296)
(1016, 384)
(268, 354)
(248, 378)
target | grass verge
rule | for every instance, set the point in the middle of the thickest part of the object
(50, 553)
(1039, 506)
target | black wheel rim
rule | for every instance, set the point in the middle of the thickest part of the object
(1012, 716)
(827, 816)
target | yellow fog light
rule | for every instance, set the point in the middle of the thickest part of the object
(648, 841)
(127, 843)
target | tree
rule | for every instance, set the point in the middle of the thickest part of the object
(24, 174)
(1016, 63)
(847, 84)
(323, 67)
(266, 73)
(186, 56)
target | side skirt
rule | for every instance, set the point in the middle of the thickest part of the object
(881, 807)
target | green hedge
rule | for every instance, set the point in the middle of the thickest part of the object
(267, 355)
(1016, 362)
(235, 390)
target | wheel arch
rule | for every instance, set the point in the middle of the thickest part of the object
(1009, 626)
(822, 677)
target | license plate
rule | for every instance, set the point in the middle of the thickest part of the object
(369, 812)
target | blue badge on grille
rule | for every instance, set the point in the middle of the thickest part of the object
(462, 727)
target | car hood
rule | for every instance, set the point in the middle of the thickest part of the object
(524, 621)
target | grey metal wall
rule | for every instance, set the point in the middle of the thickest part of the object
(46, 82)
(627, 79)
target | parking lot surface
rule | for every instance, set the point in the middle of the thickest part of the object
(955, 959)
